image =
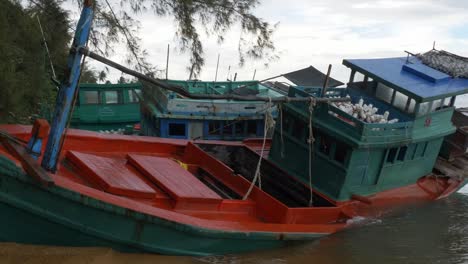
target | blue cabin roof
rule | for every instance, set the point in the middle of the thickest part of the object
(410, 77)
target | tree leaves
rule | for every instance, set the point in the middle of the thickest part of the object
(215, 17)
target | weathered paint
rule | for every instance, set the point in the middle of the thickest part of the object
(103, 115)
(77, 212)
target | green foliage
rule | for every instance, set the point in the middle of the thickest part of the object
(214, 16)
(23, 77)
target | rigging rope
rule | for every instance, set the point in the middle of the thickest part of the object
(269, 123)
(311, 140)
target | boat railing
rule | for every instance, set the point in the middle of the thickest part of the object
(334, 117)
(368, 132)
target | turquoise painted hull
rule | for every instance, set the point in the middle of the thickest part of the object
(32, 214)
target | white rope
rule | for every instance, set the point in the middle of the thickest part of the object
(311, 140)
(269, 122)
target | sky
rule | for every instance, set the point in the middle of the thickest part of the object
(318, 33)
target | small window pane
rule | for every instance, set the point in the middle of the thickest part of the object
(411, 106)
(358, 77)
(391, 155)
(423, 108)
(384, 93)
(91, 97)
(298, 129)
(400, 101)
(402, 153)
(111, 97)
(228, 128)
(340, 152)
(239, 129)
(132, 95)
(252, 127)
(214, 128)
(325, 144)
(177, 130)
(436, 105)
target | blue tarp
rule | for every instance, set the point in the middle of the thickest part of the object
(416, 80)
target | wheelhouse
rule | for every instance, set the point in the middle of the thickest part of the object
(170, 115)
(107, 106)
(360, 157)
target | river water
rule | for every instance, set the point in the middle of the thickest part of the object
(430, 233)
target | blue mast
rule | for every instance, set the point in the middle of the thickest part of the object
(68, 89)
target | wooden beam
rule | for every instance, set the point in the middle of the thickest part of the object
(30, 165)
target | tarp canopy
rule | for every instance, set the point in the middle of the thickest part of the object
(310, 76)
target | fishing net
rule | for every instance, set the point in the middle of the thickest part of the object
(451, 64)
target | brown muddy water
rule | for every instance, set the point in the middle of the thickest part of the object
(430, 233)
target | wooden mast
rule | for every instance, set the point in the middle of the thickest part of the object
(68, 88)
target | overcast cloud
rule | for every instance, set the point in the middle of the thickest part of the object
(321, 32)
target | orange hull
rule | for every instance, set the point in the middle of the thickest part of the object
(155, 176)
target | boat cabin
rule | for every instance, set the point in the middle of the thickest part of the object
(105, 107)
(388, 136)
(170, 115)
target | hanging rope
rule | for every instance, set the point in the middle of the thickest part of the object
(311, 140)
(269, 124)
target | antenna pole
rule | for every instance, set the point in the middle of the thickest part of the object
(217, 65)
(255, 72)
(167, 63)
(327, 79)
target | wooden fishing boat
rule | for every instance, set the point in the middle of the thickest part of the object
(328, 161)
(169, 115)
(106, 107)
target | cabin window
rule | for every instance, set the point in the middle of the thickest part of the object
(214, 128)
(112, 97)
(341, 151)
(177, 129)
(239, 128)
(400, 101)
(133, 95)
(436, 105)
(384, 93)
(325, 144)
(412, 151)
(91, 97)
(298, 129)
(421, 150)
(423, 108)
(359, 77)
(391, 155)
(251, 127)
(402, 153)
(228, 128)
(410, 106)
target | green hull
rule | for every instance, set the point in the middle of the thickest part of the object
(32, 214)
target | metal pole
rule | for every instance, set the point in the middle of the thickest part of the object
(167, 63)
(183, 92)
(327, 79)
(67, 90)
(217, 65)
(255, 73)
(229, 71)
